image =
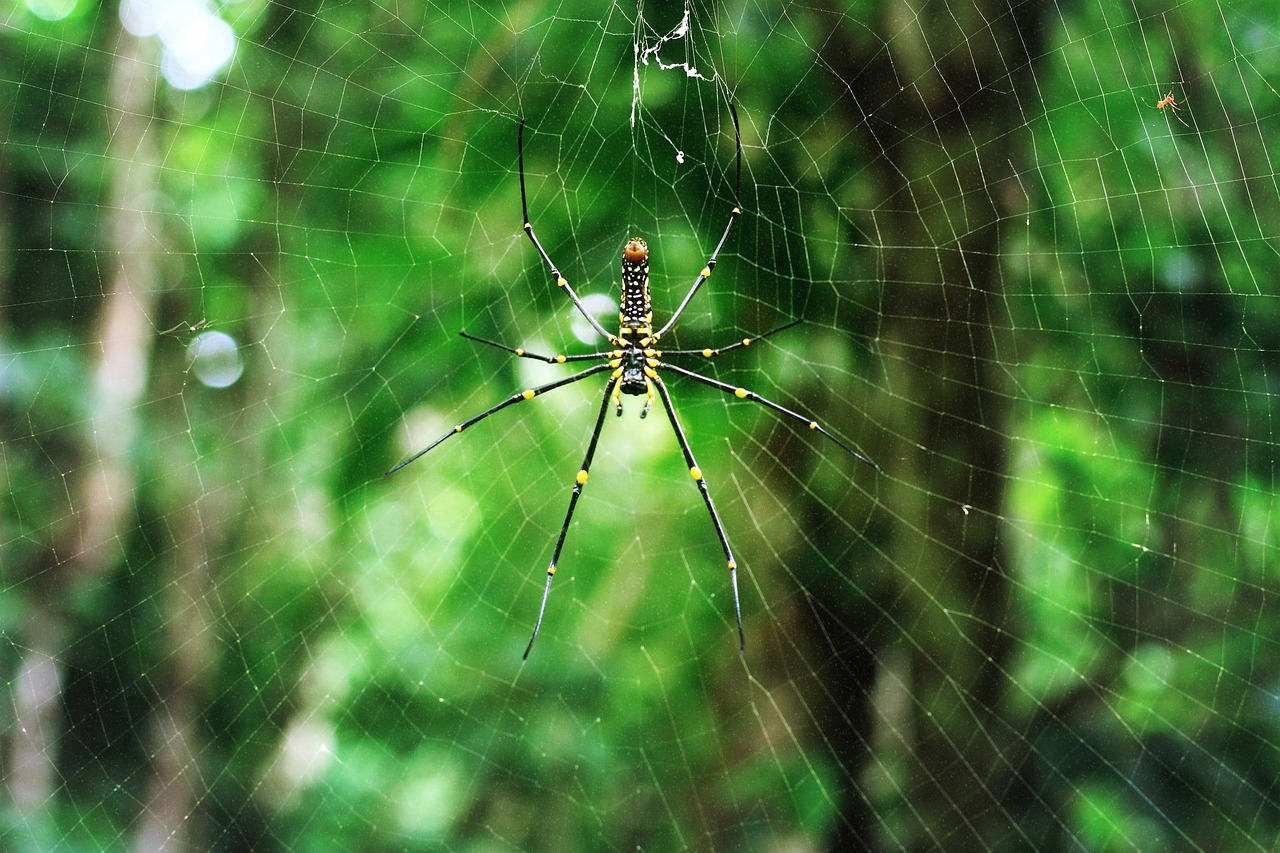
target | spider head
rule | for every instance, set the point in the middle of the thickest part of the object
(636, 313)
(633, 381)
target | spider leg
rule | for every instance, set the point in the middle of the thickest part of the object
(745, 342)
(744, 394)
(617, 396)
(696, 473)
(579, 481)
(549, 359)
(510, 401)
(733, 217)
(555, 273)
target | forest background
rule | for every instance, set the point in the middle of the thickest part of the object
(1033, 247)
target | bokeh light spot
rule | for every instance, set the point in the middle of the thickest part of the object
(215, 359)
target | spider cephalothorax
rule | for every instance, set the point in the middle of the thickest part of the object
(634, 365)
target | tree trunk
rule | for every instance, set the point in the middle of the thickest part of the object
(932, 762)
(102, 479)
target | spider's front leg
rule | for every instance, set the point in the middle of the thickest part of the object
(578, 482)
(696, 473)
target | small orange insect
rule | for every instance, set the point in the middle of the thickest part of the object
(1168, 101)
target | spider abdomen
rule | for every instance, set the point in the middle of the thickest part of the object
(637, 312)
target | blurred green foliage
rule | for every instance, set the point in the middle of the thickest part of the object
(1045, 308)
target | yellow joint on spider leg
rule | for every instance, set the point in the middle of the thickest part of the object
(562, 281)
(519, 351)
(560, 359)
(746, 342)
(706, 272)
(581, 478)
(813, 424)
(732, 565)
(551, 569)
(529, 394)
(740, 393)
(707, 352)
(696, 473)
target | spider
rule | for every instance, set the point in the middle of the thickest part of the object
(1168, 101)
(634, 364)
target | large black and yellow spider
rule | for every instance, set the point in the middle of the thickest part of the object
(634, 364)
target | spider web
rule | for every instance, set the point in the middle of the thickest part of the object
(232, 292)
